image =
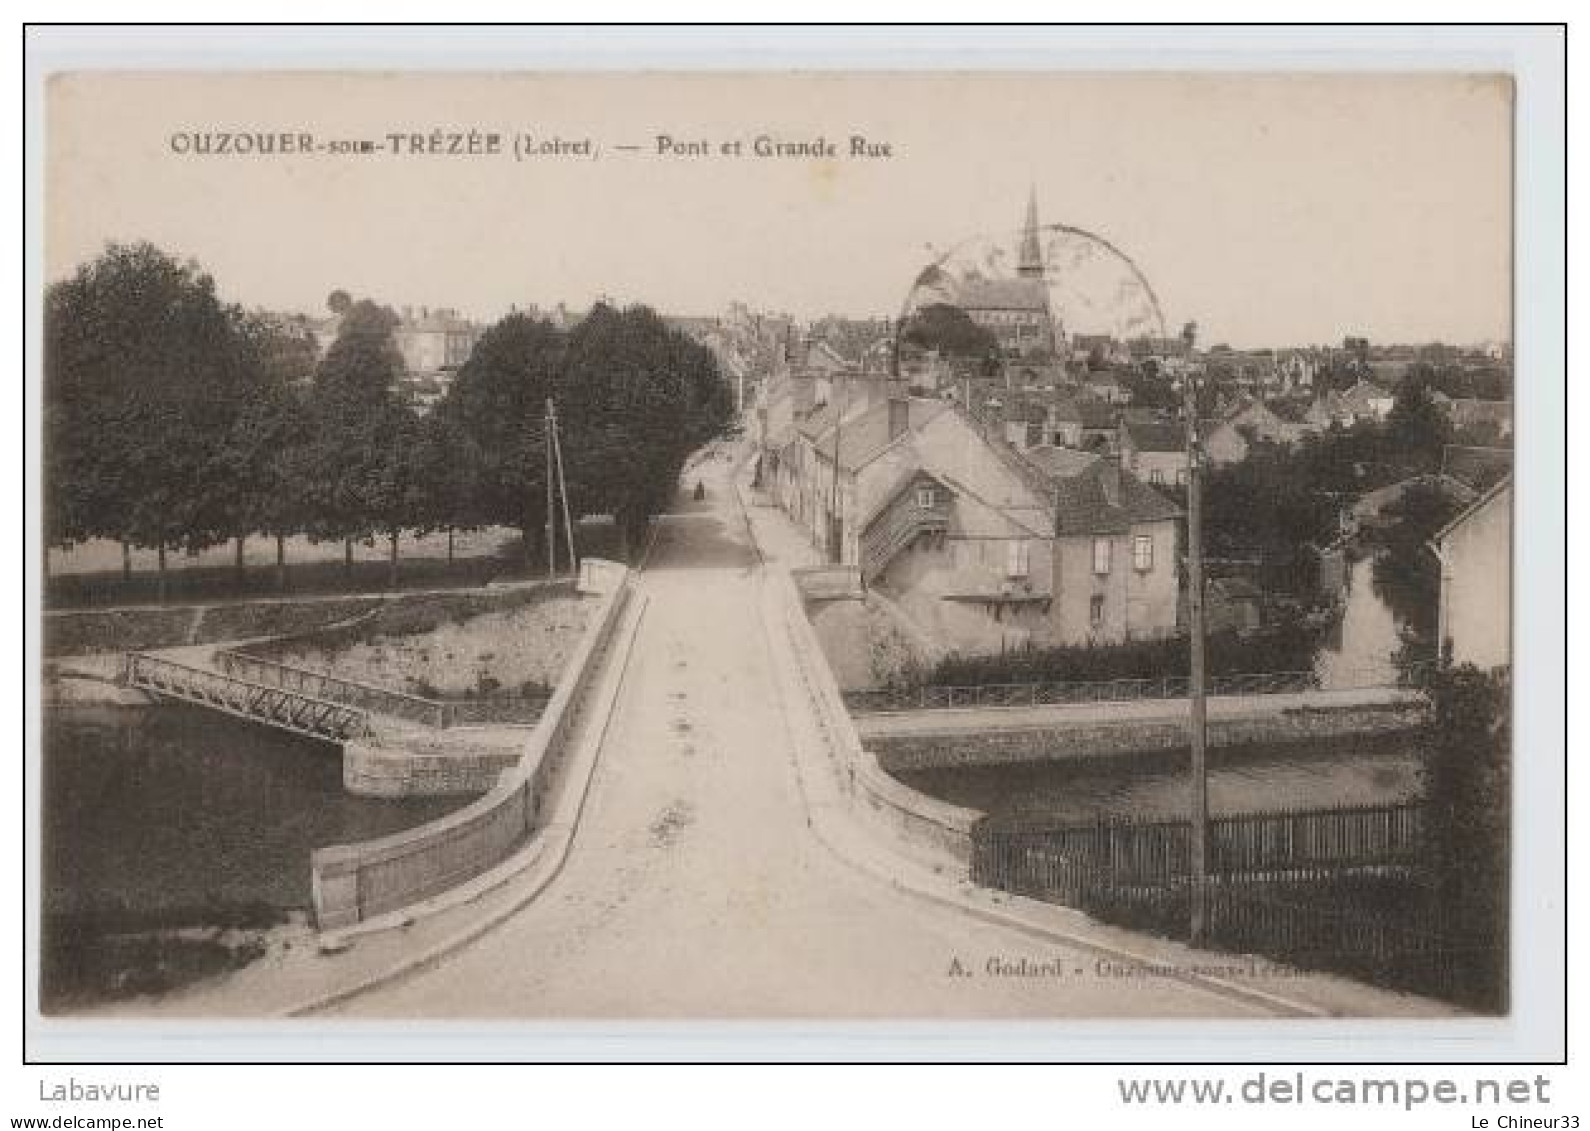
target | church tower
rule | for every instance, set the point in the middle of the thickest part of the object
(1030, 265)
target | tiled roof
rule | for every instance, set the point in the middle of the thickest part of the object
(864, 435)
(1155, 436)
(1082, 505)
(1097, 414)
(1059, 462)
(1003, 294)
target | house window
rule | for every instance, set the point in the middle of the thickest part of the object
(926, 497)
(1096, 610)
(1101, 556)
(1181, 477)
(1156, 476)
(1143, 553)
(1016, 558)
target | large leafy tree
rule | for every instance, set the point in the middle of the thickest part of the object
(949, 330)
(352, 471)
(1467, 777)
(497, 403)
(638, 397)
(144, 369)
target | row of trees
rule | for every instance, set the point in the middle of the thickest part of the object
(170, 420)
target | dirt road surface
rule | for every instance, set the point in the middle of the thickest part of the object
(695, 889)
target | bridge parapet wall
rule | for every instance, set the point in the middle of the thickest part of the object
(353, 883)
(937, 832)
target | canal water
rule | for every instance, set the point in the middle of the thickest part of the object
(1252, 779)
(156, 808)
(1365, 638)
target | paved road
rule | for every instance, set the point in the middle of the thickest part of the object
(694, 888)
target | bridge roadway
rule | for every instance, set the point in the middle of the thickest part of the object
(695, 887)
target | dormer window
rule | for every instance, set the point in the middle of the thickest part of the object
(926, 496)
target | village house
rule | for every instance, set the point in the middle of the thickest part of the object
(940, 516)
(1154, 450)
(1364, 401)
(1485, 420)
(1475, 550)
(1107, 387)
(434, 340)
(1255, 418)
(1116, 573)
(981, 548)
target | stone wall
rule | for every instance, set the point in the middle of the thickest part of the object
(373, 769)
(1119, 739)
(353, 883)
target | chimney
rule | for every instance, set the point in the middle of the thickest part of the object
(899, 412)
(1110, 478)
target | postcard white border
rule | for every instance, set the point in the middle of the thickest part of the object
(1534, 1032)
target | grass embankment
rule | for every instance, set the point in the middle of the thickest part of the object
(450, 646)
(83, 632)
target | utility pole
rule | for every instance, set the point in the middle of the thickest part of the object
(563, 485)
(552, 534)
(836, 549)
(1199, 795)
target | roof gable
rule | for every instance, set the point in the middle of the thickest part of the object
(1084, 507)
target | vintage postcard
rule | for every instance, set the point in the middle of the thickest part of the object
(820, 547)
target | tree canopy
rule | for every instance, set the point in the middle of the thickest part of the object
(172, 418)
(950, 331)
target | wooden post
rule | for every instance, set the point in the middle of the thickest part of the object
(449, 545)
(160, 585)
(237, 561)
(563, 486)
(392, 562)
(552, 533)
(347, 558)
(281, 563)
(126, 560)
(1199, 798)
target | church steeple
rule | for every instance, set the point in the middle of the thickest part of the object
(1030, 265)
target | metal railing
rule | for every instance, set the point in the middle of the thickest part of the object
(943, 697)
(282, 707)
(883, 540)
(381, 700)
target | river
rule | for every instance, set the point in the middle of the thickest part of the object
(1366, 636)
(1365, 771)
(170, 806)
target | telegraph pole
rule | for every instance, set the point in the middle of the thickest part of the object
(563, 485)
(836, 550)
(1199, 797)
(552, 545)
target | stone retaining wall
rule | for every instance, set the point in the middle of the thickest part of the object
(1122, 739)
(353, 883)
(371, 769)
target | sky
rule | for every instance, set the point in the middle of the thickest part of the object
(1270, 209)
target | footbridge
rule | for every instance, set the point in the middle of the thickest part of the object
(286, 709)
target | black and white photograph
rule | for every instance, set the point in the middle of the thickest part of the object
(538, 547)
